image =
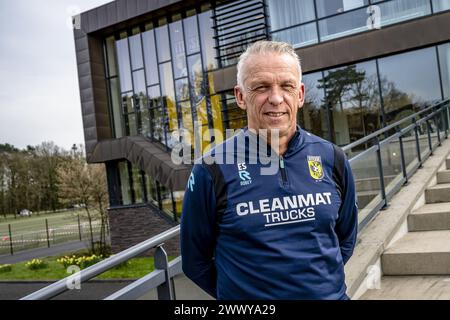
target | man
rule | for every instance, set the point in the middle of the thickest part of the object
(245, 235)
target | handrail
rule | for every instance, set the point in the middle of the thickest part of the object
(392, 126)
(99, 268)
(413, 124)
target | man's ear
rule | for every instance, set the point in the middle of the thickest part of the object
(239, 97)
(301, 95)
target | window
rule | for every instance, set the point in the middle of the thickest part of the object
(123, 58)
(327, 8)
(116, 107)
(233, 116)
(151, 64)
(409, 82)
(207, 40)
(298, 36)
(111, 57)
(312, 116)
(343, 24)
(197, 89)
(441, 5)
(178, 52)
(354, 100)
(162, 40)
(444, 58)
(286, 13)
(125, 183)
(191, 34)
(401, 10)
(136, 52)
(137, 185)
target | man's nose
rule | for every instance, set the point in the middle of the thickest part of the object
(275, 96)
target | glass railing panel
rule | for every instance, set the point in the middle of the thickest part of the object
(300, 36)
(367, 182)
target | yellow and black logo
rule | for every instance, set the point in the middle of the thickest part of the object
(315, 167)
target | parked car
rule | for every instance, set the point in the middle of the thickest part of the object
(25, 213)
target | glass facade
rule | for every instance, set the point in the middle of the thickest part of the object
(159, 80)
(136, 187)
(353, 97)
(444, 59)
(314, 115)
(305, 22)
(162, 81)
(441, 5)
(347, 103)
(402, 82)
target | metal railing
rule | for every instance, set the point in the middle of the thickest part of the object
(162, 277)
(400, 148)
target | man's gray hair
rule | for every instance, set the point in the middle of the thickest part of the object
(265, 47)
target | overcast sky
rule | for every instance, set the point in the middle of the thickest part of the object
(39, 94)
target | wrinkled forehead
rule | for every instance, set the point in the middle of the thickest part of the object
(277, 64)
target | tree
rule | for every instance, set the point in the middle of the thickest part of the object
(80, 183)
(50, 158)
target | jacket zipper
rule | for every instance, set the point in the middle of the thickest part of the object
(283, 170)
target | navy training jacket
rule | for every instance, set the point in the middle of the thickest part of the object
(250, 236)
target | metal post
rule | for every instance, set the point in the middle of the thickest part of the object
(436, 123)
(79, 228)
(10, 240)
(165, 290)
(380, 168)
(419, 157)
(402, 156)
(48, 237)
(430, 144)
(444, 123)
(447, 120)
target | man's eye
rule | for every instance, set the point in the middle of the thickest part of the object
(261, 88)
(288, 87)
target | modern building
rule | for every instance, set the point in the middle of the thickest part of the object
(147, 68)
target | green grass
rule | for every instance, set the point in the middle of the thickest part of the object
(136, 268)
(36, 223)
(26, 231)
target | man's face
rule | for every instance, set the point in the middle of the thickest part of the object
(272, 92)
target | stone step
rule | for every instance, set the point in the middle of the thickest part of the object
(418, 253)
(430, 217)
(364, 197)
(372, 184)
(443, 177)
(410, 288)
(438, 193)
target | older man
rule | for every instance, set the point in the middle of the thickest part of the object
(245, 235)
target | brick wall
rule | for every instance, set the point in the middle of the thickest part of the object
(130, 226)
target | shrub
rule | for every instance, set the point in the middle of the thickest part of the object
(82, 261)
(5, 268)
(36, 264)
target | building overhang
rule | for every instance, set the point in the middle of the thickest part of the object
(149, 156)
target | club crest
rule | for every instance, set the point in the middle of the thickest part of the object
(315, 167)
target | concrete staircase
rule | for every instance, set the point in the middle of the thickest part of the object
(422, 255)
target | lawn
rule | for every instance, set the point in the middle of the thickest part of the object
(37, 222)
(136, 268)
(30, 232)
